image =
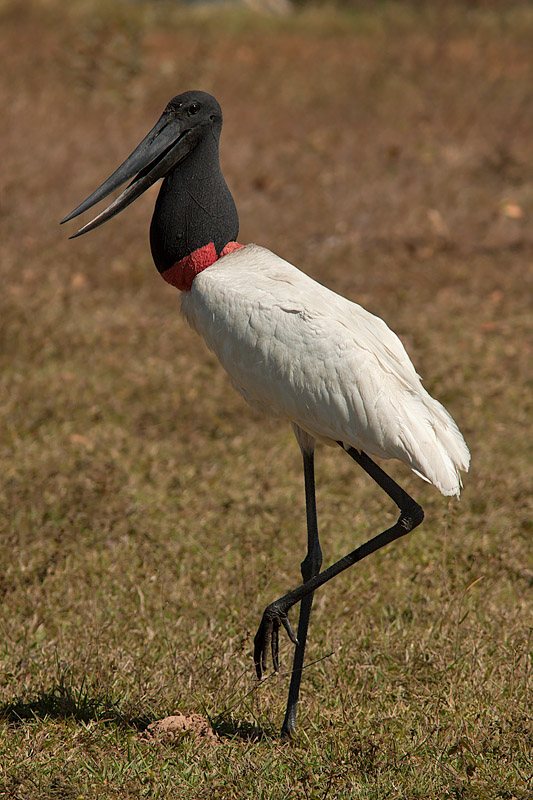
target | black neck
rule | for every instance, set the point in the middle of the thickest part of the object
(194, 207)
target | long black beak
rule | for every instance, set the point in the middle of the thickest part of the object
(165, 146)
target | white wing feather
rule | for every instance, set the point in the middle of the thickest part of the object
(295, 349)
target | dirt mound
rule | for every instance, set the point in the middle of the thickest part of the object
(178, 725)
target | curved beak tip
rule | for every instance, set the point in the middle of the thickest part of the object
(158, 152)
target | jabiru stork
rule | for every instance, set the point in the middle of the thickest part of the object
(294, 349)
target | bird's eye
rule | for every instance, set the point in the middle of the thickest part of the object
(194, 108)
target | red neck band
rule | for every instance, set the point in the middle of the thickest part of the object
(182, 273)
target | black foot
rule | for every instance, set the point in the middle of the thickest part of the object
(267, 638)
(288, 731)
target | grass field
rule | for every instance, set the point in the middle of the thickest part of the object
(148, 516)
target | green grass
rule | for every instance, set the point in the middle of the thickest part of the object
(148, 516)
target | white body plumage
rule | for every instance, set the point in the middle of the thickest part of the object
(296, 350)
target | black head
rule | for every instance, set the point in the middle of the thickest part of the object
(189, 119)
(200, 107)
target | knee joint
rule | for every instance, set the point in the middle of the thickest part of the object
(411, 516)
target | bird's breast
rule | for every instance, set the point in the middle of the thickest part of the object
(286, 342)
(295, 349)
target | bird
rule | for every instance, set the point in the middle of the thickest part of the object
(294, 349)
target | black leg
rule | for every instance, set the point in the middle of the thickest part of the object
(310, 567)
(275, 614)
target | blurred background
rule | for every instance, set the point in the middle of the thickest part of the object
(147, 515)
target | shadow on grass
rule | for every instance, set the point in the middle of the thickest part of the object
(227, 727)
(64, 702)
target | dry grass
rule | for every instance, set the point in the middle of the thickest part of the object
(148, 516)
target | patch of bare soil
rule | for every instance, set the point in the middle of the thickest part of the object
(176, 726)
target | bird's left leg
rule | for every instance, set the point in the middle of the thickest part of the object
(310, 567)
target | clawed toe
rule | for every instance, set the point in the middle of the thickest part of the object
(267, 638)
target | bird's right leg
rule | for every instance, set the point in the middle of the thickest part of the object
(411, 515)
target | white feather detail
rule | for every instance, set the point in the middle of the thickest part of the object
(295, 349)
